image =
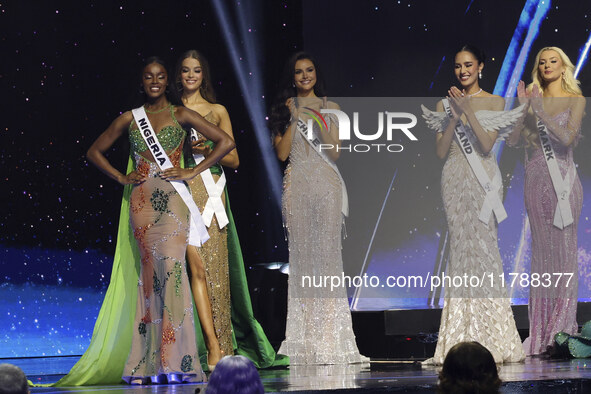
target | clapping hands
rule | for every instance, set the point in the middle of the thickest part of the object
(534, 97)
(458, 100)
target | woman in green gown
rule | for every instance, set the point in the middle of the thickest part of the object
(105, 358)
(217, 275)
(145, 328)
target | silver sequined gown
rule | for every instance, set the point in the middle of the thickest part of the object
(319, 329)
(479, 314)
(551, 309)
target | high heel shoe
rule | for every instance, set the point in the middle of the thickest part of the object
(211, 367)
(175, 378)
(190, 378)
(137, 381)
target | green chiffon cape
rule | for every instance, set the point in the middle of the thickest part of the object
(105, 358)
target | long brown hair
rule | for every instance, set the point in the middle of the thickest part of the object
(280, 115)
(206, 88)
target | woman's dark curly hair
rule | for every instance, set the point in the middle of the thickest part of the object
(469, 368)
(280, 115)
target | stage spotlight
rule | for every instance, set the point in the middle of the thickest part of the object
(527, 30)
(583, 57)
(243, 46)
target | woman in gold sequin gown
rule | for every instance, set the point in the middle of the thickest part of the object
(469, 313)
(319, 328)
(217, 276)
(163, 346)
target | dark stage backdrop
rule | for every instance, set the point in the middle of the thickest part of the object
(70, 67)
(406, 49)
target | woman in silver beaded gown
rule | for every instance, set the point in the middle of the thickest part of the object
(552, 303)
(319, 328)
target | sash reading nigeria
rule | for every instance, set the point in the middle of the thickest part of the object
(395, 122)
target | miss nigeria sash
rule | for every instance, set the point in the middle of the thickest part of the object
(492, 202)
(198, 234)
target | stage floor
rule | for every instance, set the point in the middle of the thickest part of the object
(535, 374)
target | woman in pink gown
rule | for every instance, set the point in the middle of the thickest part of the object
(553, 300)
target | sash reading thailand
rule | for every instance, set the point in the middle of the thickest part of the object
(563, 214)
(214, 204)
(492, 201)
(313, 140)
(198, 234)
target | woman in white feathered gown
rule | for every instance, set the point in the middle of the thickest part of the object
(473, 312)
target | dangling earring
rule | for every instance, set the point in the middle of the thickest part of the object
(563, 76)
(142, 91)
(293, 84)
(179, 86)
(479, 74)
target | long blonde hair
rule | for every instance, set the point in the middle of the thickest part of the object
(568, 84)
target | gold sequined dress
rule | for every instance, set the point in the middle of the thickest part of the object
(214, 254)
(164, 341)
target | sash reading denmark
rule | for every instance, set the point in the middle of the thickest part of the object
(563, 214)
(492, 202)
(198, 234)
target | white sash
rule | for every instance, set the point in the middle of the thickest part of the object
(492, 202)
(214, 204)
(198, 234)
(315, 144)
(563, 214)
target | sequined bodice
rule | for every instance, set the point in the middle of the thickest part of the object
(216, 169)
(211, 118)
(562, 152)
(305, 162)
(170, 136)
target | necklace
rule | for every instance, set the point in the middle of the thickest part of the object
(474, 94)
(158, 110)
